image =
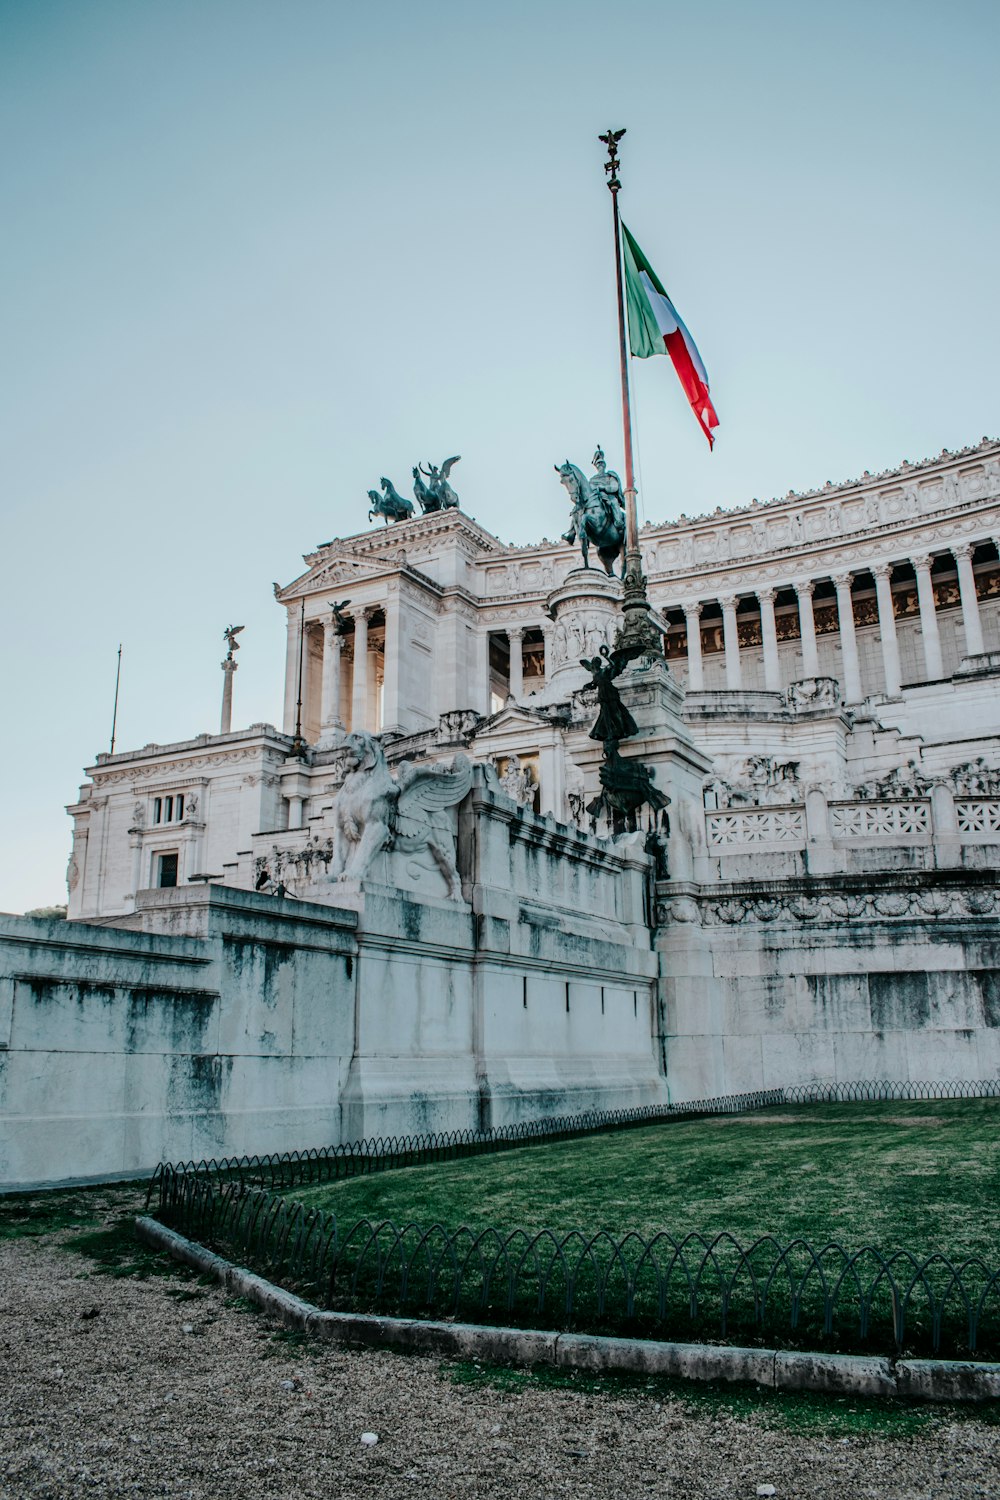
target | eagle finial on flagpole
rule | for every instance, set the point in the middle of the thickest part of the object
(611, 140)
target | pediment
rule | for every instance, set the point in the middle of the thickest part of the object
(514, 717)
(343, 568)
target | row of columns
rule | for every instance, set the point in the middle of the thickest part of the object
(930, 634)
(332, 670)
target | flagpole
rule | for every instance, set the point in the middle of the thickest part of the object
(638, 635)
(114, 715)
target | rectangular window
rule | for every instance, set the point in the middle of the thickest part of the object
(166, 869)
(179, 807)
(168, 809)
(157, 809)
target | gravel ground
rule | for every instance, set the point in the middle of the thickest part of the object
(160, 1386)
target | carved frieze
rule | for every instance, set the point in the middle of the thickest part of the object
(800, 907)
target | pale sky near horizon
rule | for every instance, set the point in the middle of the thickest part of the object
(255, 256)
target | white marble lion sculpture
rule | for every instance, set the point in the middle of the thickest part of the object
(374, 810)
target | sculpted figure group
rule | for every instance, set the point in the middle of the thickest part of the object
(436, 494)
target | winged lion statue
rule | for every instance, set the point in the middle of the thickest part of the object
(375, 811)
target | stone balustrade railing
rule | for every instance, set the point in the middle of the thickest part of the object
(853, 824)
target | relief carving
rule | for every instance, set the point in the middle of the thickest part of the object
(764, 782)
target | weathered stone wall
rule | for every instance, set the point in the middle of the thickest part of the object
(120, 1048)
(213, 1021)
(775, 983)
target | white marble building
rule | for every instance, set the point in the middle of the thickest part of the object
(821, 902)
(833, 662)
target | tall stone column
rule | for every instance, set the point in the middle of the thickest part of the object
(226, 720)
(971, 624)
(515, 636)
(482, 697)
(291, 668)
(731, 641)
(331, 727)
(887, 629)
(933, 660)
(848, 639)
(807, 628)
(769, 637)
(696, 672)
(359, 692)
(393, 662)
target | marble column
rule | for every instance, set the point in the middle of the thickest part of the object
(295, 805)
(971, 624)
(516, 674)
(393, 663)
(731, 642)
(696, 674)
(359, 691)
(291, 668)
(769, 636)
(226, 721)
(887, 629)
(807, 628)
(848, 639)
(331, 727)
(482, 699)
(933, 660)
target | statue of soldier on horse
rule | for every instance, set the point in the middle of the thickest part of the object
(598, 512)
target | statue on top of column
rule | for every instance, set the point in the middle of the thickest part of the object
(229, 636)
(339, 622)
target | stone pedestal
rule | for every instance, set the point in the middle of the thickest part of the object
(586, 610)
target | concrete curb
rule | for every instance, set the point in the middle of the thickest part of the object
(775, 1369)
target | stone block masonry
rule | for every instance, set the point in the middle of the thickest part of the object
(214, 1022)
(231, 1032)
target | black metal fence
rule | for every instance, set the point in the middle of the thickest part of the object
(659, 1285)
(328, 1163)
(692, 1287)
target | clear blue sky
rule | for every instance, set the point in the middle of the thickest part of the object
(255, 255)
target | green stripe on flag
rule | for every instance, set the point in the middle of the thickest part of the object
(644, 333)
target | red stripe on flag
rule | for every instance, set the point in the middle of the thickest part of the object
(694, 387)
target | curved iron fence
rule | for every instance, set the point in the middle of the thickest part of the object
(327, 1163)
(659, 1285)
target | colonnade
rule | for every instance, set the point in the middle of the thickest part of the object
(842, 582)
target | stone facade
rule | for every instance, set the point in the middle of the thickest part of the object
(821, 901)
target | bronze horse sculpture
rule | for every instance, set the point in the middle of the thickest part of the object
(596, 518)
(390, 504)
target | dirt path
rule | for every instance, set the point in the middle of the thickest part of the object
(116, 1385)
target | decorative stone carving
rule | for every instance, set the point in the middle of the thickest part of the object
(794, 907)
(904, 783)
(576, 795)
(517, 781)
(810, 694)
(458, 725)
(974, 778)
(375, 811)
(285, 870)
(764, 782)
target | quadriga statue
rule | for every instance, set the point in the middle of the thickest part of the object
(375, 811)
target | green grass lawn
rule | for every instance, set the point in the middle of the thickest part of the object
(921, 1175)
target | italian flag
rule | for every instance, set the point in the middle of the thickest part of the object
(655, 327)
